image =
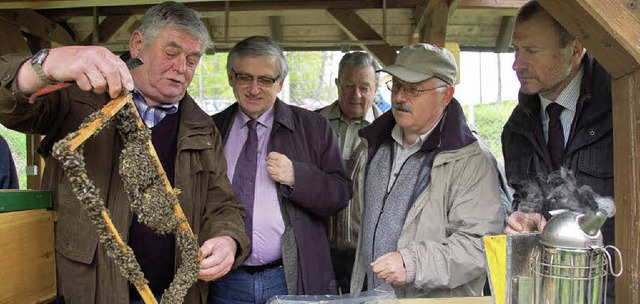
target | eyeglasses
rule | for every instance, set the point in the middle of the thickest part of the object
(246, 79)
(411, 91)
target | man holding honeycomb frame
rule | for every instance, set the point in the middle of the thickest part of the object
(170, 40)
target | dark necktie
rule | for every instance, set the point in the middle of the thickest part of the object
(244, 176)
(555, 143)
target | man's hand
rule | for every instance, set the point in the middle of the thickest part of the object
(390, 268)
(219, 253)
(280, 169)
(93, 68)
(525, 222)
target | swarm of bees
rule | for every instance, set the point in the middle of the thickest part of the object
(146, 186)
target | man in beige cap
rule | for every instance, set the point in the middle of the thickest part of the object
(430, 188)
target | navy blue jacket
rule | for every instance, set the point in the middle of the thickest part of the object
(322, 189)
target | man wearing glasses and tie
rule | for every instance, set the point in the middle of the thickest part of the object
(287, 170)
(428, 175)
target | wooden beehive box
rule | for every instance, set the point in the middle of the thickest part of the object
(27, 259)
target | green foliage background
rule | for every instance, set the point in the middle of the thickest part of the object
(216, 82)
(489, 120)
(308, 82)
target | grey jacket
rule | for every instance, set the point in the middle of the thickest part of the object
(441, 237)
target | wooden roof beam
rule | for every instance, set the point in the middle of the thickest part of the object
(423, 14)
(352, 24)
(109, 26)
(121, 7)
(503, 41)
(602, 25)
(275, 25)
(502, 4)
(37, 25)
(436, 18)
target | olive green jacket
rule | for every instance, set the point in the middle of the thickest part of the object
(85, 274)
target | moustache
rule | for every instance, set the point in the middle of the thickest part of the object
(402, 107)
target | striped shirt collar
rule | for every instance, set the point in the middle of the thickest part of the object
(152, 115)
(568, 98)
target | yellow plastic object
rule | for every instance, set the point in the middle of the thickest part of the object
(495, 247)
(454, 48)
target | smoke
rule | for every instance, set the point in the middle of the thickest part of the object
(560, 191)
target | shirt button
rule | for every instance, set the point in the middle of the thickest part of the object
(592, 133)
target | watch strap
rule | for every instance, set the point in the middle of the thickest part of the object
(37, 67)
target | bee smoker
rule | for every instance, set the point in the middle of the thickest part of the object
(570, 264)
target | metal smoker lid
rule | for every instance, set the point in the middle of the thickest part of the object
(563, 230)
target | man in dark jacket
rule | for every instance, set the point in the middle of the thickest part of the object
(555, 69)
(170, 40)
(8, 174)
(296, 180)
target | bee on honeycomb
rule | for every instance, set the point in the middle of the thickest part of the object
(146, 186)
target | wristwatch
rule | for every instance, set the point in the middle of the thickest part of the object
(36, 63)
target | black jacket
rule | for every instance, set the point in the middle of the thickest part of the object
(588, 152)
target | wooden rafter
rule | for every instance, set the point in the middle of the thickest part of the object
(37, 25)
(243, 4)
(503, 41)
(422, 15)
(436, 16)
(107, 28)
(604, 26)
(352, 24)
(275, 25)
(503, 4)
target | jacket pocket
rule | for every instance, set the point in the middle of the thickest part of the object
(597, 161)
(76, 237)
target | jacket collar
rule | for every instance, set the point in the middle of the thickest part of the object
(195, 118)
(451, 133)
(595, 92)
(283, 115)
(333, 111)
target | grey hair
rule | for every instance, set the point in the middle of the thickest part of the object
(258, 46)
(176, 15)
(531, 8)
(360, 60)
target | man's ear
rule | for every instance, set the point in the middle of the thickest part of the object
(135, 43)
(448, 95)
(577, 51)
(231, 80)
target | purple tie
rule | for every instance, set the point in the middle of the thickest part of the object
(555, 144)
(244, 176)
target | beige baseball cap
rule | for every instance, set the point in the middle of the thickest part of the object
(418, 62)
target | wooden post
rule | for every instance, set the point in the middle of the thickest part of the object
(608, 29)
(626, 137)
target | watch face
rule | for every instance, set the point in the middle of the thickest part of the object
(39, 57)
